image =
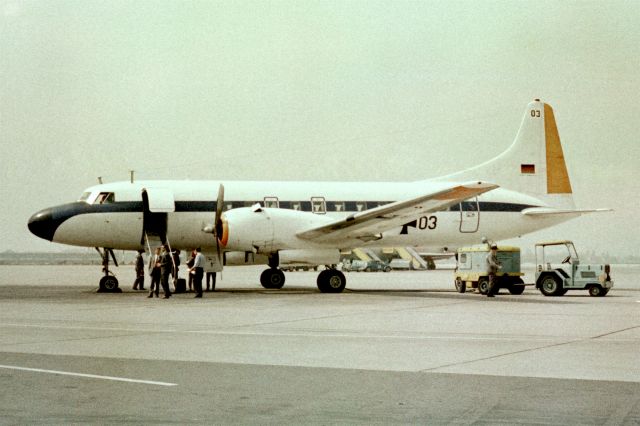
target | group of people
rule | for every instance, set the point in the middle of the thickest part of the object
(165, 263)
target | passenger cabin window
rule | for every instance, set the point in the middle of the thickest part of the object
(105, 198)
(335, 206)
(318, 205)
(271, 202)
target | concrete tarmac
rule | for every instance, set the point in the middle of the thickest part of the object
(401, 347)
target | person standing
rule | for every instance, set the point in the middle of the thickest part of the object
(211, 276)
(138, 284)
(176, 263)
(154, 272)
(166, 267)
(192, 256)
(492, 268)
(198, 271)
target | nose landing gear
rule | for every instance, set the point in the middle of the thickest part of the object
(108, 283)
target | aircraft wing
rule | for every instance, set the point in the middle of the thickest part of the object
(369, 224)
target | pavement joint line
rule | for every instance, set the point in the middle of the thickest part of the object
(455, 364)
(90, 376)
(529, 349)
(616, 331)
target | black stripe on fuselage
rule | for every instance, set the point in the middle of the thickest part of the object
(306, 206)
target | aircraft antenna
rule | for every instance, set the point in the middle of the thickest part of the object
(100, 180)
(131, 171)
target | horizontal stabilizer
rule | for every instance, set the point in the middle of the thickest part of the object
(548, 211)
(369, 224)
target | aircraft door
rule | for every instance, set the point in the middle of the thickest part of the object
(156, 204)
(469, 215)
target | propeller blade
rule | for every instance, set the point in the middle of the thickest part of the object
(217, 228)
(219, 206)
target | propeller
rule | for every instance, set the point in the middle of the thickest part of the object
(217, 227)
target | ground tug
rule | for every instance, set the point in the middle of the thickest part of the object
(556, 279)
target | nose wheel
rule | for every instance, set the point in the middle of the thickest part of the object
(108, 283)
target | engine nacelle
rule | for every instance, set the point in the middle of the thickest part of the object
(266, 230)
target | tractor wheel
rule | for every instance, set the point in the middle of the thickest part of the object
(550, 286)
(596, 291)
(461, 286)
(483, 285)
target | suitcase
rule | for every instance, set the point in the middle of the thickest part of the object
(181, 286)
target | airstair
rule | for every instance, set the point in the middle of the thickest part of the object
(410, 254)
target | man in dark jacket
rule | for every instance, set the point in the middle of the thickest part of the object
(138, 284)
(492, 269)
(166, 267)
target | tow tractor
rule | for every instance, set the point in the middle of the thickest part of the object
(556, 279)
(471, 269)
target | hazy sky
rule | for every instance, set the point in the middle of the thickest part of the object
(314, 90)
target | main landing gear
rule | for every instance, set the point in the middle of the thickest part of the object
(329, 281)
(272, 278)
(108, 283)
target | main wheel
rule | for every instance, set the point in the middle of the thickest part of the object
(461, 286)
(483, 285)
(108, 284)
(331, 281)
(550, 286)
(272, 278)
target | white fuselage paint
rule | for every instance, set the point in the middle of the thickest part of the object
(123, 230)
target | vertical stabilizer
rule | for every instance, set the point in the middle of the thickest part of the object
(534, 164)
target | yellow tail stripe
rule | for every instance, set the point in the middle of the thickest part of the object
(557, 175)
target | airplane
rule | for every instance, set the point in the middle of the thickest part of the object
(524, 189)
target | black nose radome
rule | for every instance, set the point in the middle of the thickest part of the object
(42, 224)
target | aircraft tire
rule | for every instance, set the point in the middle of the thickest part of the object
(331, 281)
(108, 284)
(272, 278)
(461, 286)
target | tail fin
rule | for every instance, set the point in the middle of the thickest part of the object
(534, 164)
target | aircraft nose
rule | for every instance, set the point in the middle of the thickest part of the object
(42, 225)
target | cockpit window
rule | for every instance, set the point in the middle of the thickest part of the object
(85, 196)
(105, 198)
